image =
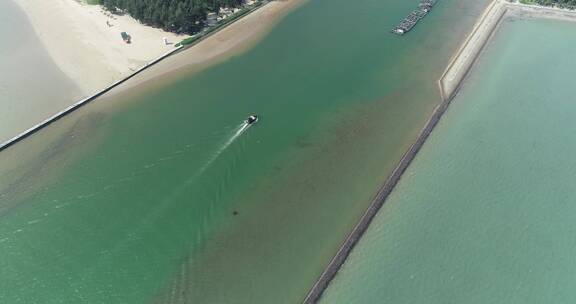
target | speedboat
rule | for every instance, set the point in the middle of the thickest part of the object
(252, 119)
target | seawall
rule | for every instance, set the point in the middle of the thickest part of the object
(464, 58)
(10, 142)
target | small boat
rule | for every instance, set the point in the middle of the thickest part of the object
(252, 119)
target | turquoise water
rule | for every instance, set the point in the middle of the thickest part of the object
(485, 213)
(31, 86)
(157, 196)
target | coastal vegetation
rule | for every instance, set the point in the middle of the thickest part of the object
(179, 16)
(570, 4)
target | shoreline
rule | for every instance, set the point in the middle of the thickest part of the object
(92, 54)
(253, 25)
(31, 131)
(84, 41)
(463, 60)
(223, 43)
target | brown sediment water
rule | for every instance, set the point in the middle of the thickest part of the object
(344, 251)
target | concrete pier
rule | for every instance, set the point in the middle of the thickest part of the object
(458, 68)
(465, 57)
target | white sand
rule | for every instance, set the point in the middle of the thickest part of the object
(85, 48)
(94, 55)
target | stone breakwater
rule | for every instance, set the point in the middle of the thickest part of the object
(456, 71)
(494, 12)
(346, 248)
(449, 83)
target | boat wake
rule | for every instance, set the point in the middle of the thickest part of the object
(239, 131)
(188, 182)
(181, 188)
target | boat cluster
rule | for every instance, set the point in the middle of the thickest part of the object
(416, 15)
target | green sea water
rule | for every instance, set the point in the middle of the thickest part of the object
(160, 194)
(485, 213)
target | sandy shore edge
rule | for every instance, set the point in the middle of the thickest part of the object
(84, 41)
(227, 42)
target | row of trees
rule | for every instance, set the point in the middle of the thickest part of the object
(559, 3)
(179, 16)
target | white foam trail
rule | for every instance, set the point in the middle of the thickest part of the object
(159, 208)
(239, 130)
(34, 222)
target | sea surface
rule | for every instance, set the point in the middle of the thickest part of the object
(162, 195)
(32, 87)
(486, 212)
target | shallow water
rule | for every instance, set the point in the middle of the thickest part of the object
(485, 213)
(32, 87)
(160, 200)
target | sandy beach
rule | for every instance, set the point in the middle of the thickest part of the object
(85, 42)
(86, 48)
